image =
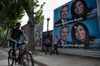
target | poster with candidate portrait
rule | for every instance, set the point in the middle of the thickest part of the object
(76, 25)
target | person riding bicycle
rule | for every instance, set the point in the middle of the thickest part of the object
(14, 36)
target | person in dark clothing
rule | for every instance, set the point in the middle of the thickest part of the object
(14, 36)
(48, 47)
(55, 50)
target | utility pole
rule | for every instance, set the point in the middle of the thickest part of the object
(48, 26)
(48, 23)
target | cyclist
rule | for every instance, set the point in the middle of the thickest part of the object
(14, 37)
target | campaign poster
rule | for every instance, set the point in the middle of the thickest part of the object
(76, 25)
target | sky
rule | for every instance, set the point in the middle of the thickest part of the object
(48, 10)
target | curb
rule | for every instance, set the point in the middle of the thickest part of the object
(78, 54)
(40, 63)
(4, 49)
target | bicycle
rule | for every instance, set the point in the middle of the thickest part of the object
(24, 57)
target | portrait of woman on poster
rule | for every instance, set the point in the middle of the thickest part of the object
(80, 34)
(79, 9)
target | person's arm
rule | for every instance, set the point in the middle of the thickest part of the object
(9, 36)
(23, 38)
(59, 43)
(26, 38)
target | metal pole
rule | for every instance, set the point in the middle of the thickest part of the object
(48, 24)
(98, 11)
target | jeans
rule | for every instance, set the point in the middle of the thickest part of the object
(55, 50)
(14, 47)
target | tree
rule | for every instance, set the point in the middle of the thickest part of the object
(34, 17)
(13, 10)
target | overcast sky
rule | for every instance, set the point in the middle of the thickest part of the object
(47, 12)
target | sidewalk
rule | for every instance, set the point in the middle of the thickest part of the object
(77, 51)
(65, 60)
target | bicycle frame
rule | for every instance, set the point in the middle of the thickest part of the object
(23, 49)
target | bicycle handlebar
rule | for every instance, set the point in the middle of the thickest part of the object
(19, 42)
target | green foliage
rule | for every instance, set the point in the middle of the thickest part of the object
(11, 11)
(3, 36)
(38, 16)
(33, 8)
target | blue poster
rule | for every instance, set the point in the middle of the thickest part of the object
(76, 24)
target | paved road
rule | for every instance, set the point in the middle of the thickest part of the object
(3, 58)
(54, 60)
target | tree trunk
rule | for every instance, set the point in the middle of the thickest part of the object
(31, 37)
(31, 25)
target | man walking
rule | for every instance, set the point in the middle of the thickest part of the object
(55, 50)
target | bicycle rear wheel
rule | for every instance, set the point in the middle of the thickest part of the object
(27, 59)
(10, 58)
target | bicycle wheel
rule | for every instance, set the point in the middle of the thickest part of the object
(27, 59)
(10, 58)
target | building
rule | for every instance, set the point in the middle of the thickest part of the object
(38, 30)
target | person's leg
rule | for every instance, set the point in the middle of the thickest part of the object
(86, 46)
(50, 50)
(56, 50)
(14, 50)
(46, 49)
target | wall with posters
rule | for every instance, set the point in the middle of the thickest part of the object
(76, 25)
(38, 34)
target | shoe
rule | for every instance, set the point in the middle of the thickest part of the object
(16, 60)
(50, 53)
(53, 52)
(57, 53)
(46, 53)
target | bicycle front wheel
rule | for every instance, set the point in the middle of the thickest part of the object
(27, 59)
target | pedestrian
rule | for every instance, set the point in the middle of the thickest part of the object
(55, 50)
(48, 47)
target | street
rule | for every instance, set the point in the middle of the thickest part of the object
(4, 58)
(53, 60)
